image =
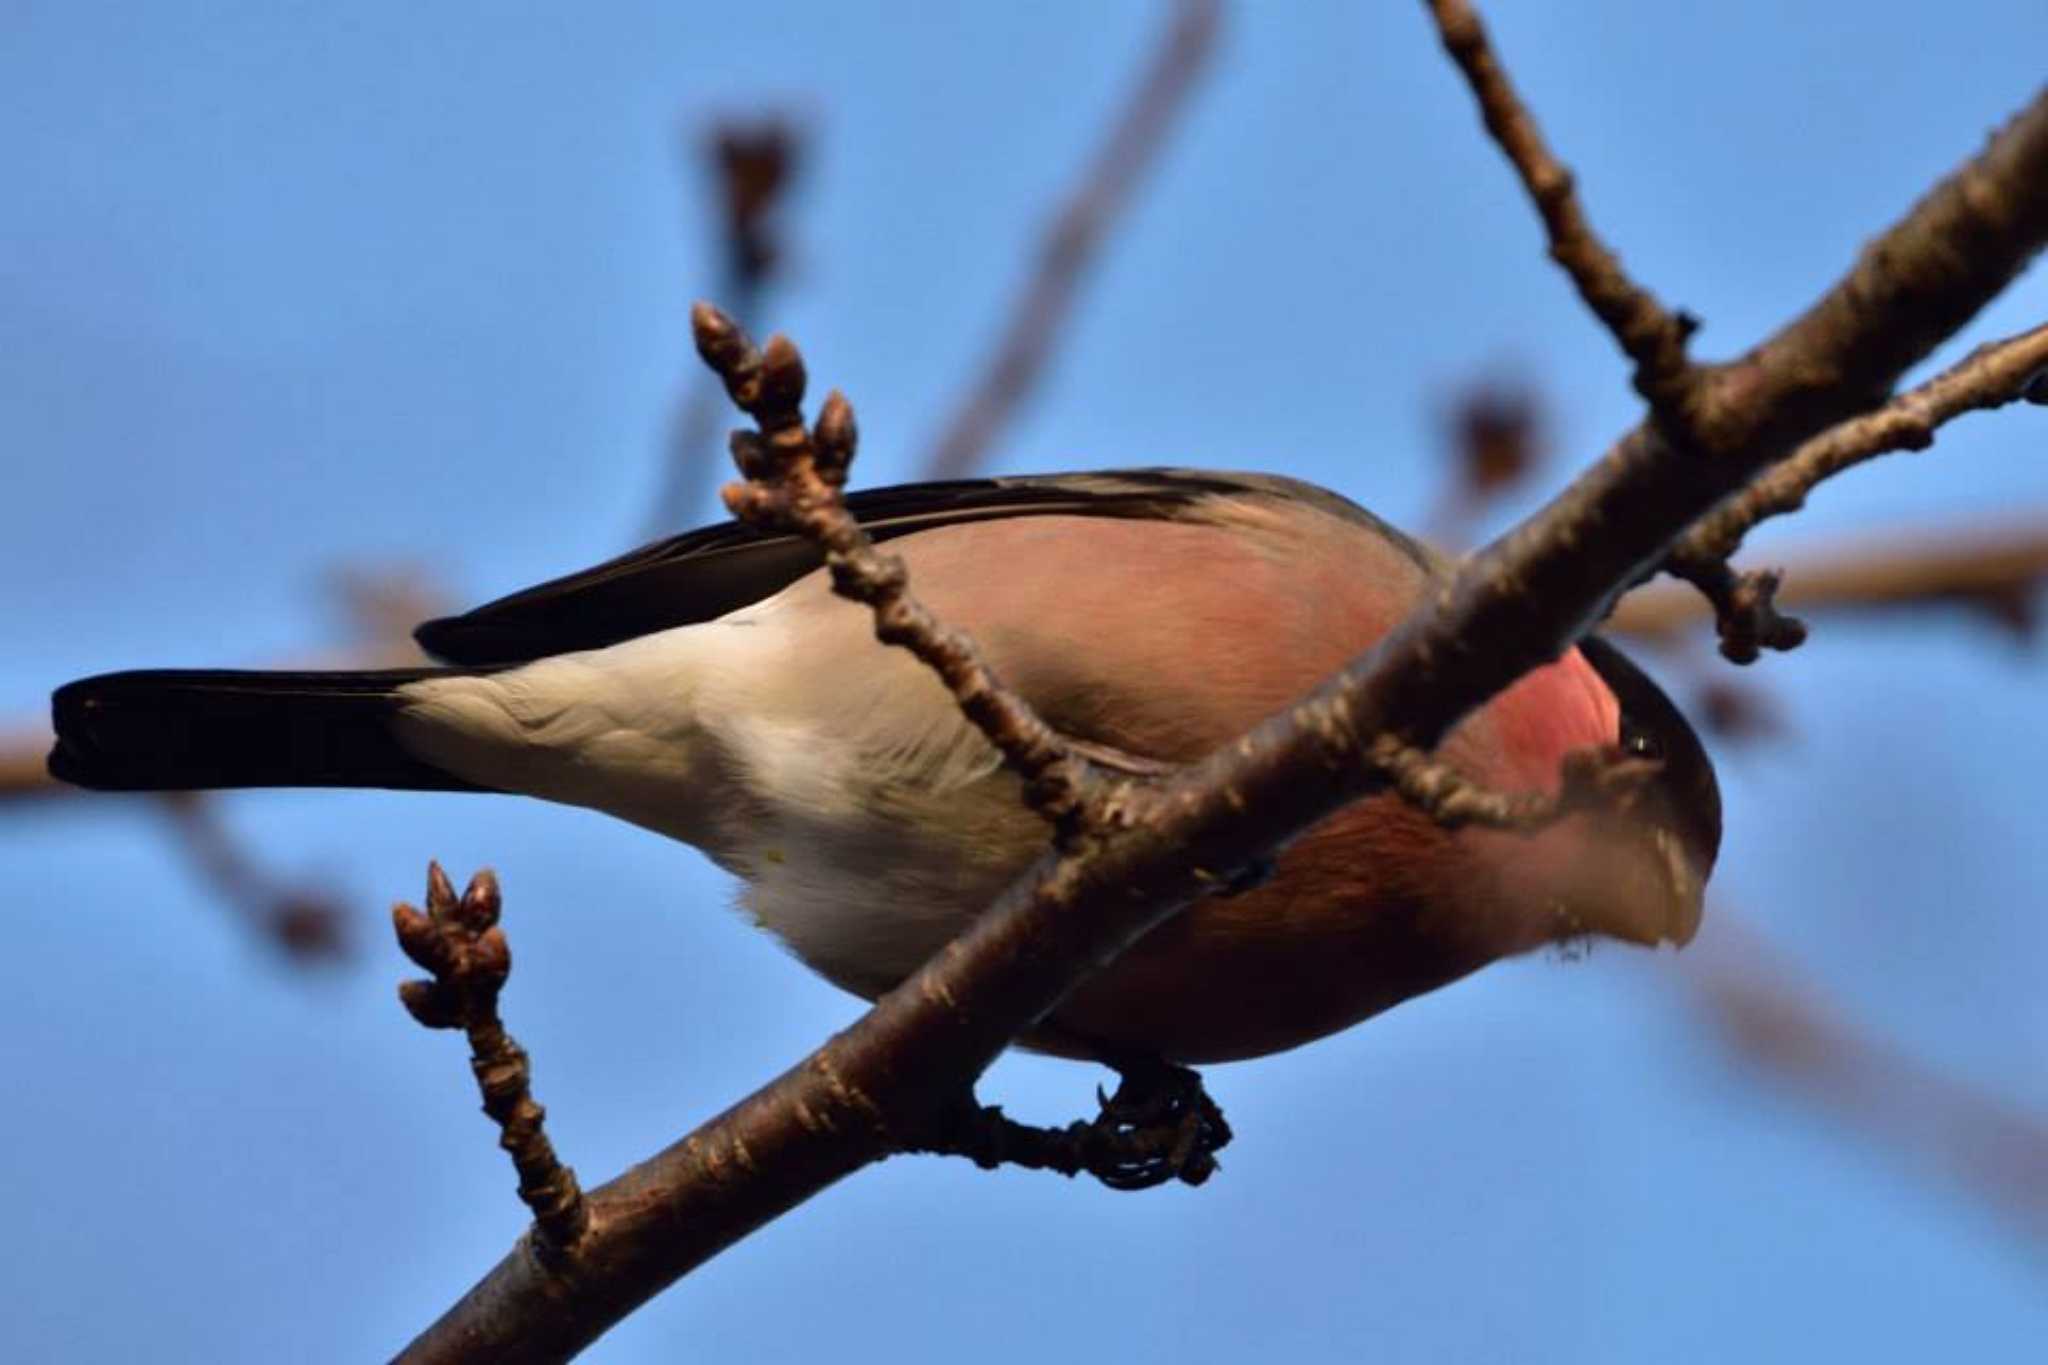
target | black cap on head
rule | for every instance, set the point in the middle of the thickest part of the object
(1653, 728)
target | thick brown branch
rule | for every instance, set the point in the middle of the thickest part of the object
(1912, 288)
(461, 943)
(1526, 598)
(1072, 238)
(1650, 335)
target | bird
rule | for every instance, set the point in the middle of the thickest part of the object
(711, 687)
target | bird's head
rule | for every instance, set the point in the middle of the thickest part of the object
(1646, 872)
(1633, 867)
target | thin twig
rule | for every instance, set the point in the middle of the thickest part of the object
(1990, 377)
(309, 926)
(1590, 779)
(1745, 606)
(1072, 239)
(24, 765)
(1652, 336)
(462, 944)
(794, 477)
(1996, 570)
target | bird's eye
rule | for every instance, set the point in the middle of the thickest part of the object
(1638, 742)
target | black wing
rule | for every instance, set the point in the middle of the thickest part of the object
(704, 574)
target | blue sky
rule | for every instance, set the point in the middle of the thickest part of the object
(286, 287)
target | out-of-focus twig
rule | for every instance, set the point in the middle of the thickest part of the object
(24, 750)
(1072, 238)
(1782, 1025)
(380, 605)
(307, 924)
(753, 163)
(1495, 440)
(461, 942)
(1997, 571)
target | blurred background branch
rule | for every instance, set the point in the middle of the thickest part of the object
(750, 164)
(1779, 1023)
(1072, 239)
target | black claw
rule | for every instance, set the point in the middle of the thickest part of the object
(1160, 1125)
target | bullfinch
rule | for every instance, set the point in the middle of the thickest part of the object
(712, 688)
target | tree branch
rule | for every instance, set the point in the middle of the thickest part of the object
(1592, 779)
(1072, 238)
(24, 765)
(1991, 376)
(873, 1087)
(1649, 334)
(1998, 571)
(794, 477)
(462, 944)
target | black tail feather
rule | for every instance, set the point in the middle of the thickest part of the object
(186, 729)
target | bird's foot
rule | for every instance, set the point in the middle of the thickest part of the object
(1160, 1125)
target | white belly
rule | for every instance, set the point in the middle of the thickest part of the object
(834, 776)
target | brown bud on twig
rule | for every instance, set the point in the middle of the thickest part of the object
(794, 476)
(835, 435)
(750, 455)
(782, 382)
(459, 940)
(1749, 619)
(726, 349)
